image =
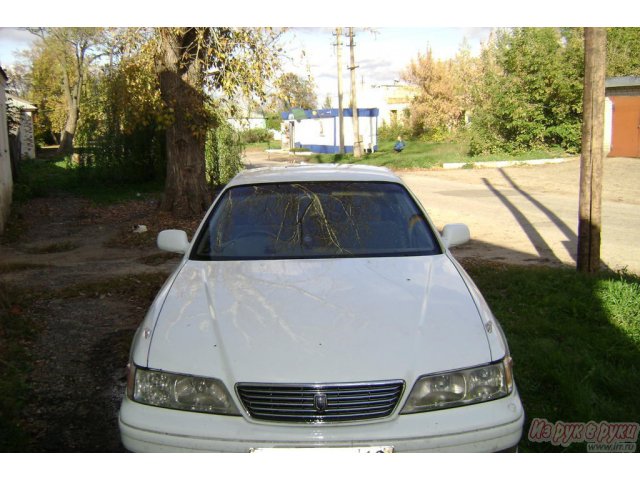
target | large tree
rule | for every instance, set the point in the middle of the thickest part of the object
(531, 91)
(293, 91)
(74, 50)
(197, 66)
(443, 92)
(623, 51)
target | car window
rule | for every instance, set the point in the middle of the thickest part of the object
(315, 220)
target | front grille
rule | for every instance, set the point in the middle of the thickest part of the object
(320, 403)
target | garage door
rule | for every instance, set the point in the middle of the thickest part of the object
(625, 139)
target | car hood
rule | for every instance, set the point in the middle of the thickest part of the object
(318, 320)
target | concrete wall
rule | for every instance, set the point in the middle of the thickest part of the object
(6, 182)
(27, 138)
(608, 125)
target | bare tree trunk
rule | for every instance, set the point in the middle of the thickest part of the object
(73, 107)
(69, 131)
(186, 191)
(590, 206)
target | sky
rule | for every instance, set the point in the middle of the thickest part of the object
(381, 53)
(397, 30)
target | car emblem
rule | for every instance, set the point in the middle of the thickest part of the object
(320, 402)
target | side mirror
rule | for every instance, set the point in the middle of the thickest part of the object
(455, 234)
(173, 241)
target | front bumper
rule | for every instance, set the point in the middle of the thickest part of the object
(486, 427)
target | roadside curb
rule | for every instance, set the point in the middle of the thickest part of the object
(287, 152)
(503, 163)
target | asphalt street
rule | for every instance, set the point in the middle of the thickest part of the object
(524, 215)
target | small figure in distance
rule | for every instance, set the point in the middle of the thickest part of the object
(399, 146)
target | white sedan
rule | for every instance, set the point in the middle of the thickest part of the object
(318, 307)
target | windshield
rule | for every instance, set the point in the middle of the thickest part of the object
(315, 220)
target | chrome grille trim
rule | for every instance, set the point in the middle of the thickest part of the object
(295, 403)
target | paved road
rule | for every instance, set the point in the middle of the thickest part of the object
(527, 215)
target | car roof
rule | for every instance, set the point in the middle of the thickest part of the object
(314, 173)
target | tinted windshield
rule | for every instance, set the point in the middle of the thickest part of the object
(315, 220)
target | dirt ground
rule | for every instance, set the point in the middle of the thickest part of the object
(91, 278)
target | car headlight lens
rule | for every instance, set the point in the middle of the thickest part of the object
(462, 387)
(181, 392)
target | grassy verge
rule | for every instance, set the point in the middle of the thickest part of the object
(427, 155)
(575, 341)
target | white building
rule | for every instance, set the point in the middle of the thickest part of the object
(248, 123)
(318, 130)
(392, 100)
(25, 128)
(6, 181)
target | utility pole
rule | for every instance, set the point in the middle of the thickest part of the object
(340, 113)
(590, 203)
(357, 144)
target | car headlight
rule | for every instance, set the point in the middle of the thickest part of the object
(461, 387)
(180, 392)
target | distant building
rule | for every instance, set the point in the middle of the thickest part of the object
(318, 130)
(393, 100)
(241, 123)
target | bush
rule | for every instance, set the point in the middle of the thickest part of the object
(390, 132)
(530, 95)
(117, 157)
(255, 135)
(273, 122)
(223, 154)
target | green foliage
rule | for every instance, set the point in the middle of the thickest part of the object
(121, 135)
(255, 135)
(223, 154)
(623, 51)
(441, 94)
(116, 157)
(273, 121)
(40, 178)
(419, 154)
(531, 92)
(44, 88)
(293, 91)
(390, 132)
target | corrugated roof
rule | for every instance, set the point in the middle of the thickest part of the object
(629, 81)
(21, 102)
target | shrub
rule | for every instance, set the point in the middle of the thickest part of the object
(117, 157)
(389, 132)
(255, 135)
(223, 154)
